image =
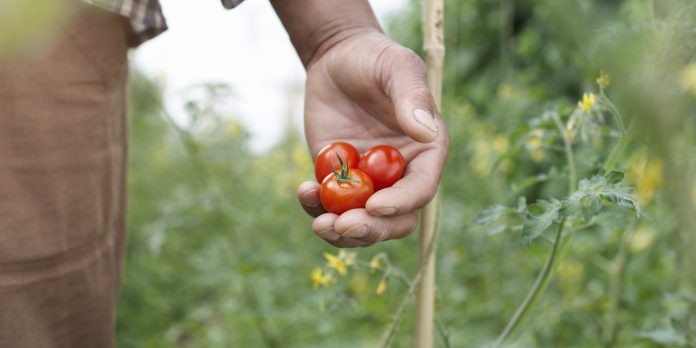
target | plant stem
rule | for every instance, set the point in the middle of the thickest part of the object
(573, 178)
(537, 288)
(434, 48)
(404, 302)
(395, 273)
(443, 333)
(615, 284)
(618, 118)
(558, 250)
(617, 151)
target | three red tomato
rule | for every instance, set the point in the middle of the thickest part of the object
(348, 180)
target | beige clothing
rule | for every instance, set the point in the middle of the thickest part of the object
(62, 185)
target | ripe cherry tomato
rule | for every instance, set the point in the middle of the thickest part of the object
(384, 164)
(327, 158)
(345, 190)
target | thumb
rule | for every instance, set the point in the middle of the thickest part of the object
(413, 103)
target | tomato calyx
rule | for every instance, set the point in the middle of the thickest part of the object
(342, 176)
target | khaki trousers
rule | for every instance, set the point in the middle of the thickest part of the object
(62, 185)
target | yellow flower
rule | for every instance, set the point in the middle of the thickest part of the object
(569, 134)
(347, 258)
(538, 155)
(650, 180)
(336, 263)
(642, 239)
(647, 174)
(688, 78)
(603, 80)
(506, 91)
(587, 102)
(359, 284)
(693, 195)
(377, 262)
(381, 287)
(500, 144)
(570, 271)
(534, 139)
(319, 278)
(481, 162)
(534, 145)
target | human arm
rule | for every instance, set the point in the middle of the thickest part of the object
(367, 90)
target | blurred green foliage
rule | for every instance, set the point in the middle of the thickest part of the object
(220, 254)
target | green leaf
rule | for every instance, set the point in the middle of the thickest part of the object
(495, 229)
(593, 192)
(490, 214)
(615, 177)
(541, 215)
(522, 205)
(666, 337)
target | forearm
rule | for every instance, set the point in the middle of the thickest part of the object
(315, 26)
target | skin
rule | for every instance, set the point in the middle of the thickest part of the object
(364, 89)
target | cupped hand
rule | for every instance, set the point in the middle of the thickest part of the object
(367, 90)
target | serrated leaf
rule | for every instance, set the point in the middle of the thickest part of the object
(490, 214)
(594, 205)
(666, 337)
(615, 177)
(592, 192)
(522, 205)
(541, 215)
(495, 230)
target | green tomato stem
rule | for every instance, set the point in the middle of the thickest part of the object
(538, 287)
(342, 176)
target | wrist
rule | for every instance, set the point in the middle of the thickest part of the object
(315, 26)
(326, 40)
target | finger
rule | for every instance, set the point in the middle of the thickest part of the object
(308, 195)
(419, 184)
(349, 243)
(405, 84)
(358, 224)
(323, 227)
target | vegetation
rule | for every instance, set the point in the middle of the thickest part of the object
(567, 209)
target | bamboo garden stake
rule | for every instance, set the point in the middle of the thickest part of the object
(434, 47)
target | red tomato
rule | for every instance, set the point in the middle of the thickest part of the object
(327, 155)
(384, 164)
(346, 190)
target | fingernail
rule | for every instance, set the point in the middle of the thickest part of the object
(384, 211)
(311, 198)
(425, 119)
(358, 232)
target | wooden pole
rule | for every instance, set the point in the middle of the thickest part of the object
(434, 47)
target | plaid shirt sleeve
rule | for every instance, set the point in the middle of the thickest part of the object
(231, 3)
(146, 18)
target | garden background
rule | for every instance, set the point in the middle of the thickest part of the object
(221, 255)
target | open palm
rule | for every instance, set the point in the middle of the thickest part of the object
(368, 90)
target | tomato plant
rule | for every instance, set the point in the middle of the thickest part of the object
(327, 158)
(384, 164)
(345, 190)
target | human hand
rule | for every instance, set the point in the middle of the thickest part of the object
(367, 90)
